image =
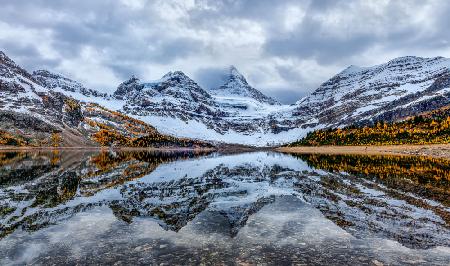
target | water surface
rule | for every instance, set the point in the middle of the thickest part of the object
(185, 208)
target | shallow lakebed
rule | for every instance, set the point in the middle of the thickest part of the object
(142, 207)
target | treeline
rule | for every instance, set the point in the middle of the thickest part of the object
(9, 139)
(107, 137)
(429, 128)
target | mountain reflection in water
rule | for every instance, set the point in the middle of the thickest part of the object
(367, 208)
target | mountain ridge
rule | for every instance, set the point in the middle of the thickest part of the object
(45, 109)
(179, 106)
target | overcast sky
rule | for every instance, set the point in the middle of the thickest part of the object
(285, 48)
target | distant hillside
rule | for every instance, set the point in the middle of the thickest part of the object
(428, 128)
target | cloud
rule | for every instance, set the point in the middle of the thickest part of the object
(211, 77)
(285, 48)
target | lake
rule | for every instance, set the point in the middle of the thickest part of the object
(142, 207)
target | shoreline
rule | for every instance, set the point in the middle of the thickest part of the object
(432, 150)
(91, 148)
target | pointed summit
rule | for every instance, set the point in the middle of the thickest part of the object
(237, 86)
(177, 78)
(178, 83)
(234, 73)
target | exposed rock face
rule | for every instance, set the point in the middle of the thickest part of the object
(26, 107)
(177, 96)
(400, 88)
(128, 88)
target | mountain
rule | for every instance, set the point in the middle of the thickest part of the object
(30, 113)
(237, 113)
(177, 105)
(232, 113)
(236, 86)
(175, 94)
(46, 109)
(402, 87)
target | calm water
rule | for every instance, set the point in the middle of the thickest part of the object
(250, 208)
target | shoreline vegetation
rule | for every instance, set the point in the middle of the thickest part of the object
(428, 128)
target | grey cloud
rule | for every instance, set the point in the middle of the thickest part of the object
(28, 55)
(175, 48)
(312, 39)
(286, 96)
(124, 71)
(211, 77)
(176, 36)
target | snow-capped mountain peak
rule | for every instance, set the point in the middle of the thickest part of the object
(4, 59)
(179, 85)
(176, 75)
(236, 85)
(9, 69)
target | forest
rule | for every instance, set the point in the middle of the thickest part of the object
(428, 128)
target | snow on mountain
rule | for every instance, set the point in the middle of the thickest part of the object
(175, 94)
(236, 86)
(236, 112)
(20, 92)
(63, 84)
(35, 106)
(177, 105)
(402, 87)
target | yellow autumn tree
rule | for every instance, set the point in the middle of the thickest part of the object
(55, 139)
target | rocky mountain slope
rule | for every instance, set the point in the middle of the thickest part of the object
(236, 112)
(402, 87)
(45, 109)
(177, 105)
